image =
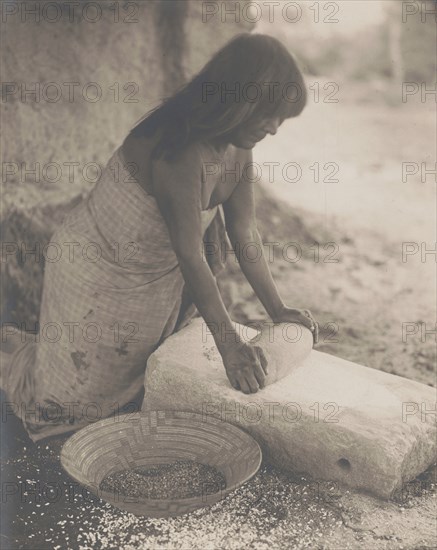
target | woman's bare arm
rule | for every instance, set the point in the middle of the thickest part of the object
(242, 229)
(177, 189)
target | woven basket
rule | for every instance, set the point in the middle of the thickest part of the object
(160, 437)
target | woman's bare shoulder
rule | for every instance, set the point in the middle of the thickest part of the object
(188, 160)
(179, 175)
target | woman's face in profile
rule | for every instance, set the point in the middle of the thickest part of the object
(247, 135)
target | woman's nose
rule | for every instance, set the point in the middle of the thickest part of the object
(272, 125)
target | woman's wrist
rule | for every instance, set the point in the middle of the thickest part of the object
(225, 335)
(277, 314)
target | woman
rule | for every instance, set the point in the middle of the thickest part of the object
(138, 267)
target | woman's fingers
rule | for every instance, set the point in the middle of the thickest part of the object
(253, 378)
(233, 380)
(314, 325)
(244, 386)
(262, 359)
(307, 321)
(298, 316)
(247, 370)
(260, 376)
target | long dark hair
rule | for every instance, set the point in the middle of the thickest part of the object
(253, 75)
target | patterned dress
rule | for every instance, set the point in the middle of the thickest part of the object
(114, 295)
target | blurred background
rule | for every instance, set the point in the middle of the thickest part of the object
(358, 57)
(74, 83)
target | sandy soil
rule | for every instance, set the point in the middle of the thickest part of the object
(47, 510)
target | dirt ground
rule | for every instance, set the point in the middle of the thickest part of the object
(364, 303)
(44, 509)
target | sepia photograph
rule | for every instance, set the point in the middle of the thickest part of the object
(218, 275)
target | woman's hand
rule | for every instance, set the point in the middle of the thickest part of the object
(246, 366)
(302, 316)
